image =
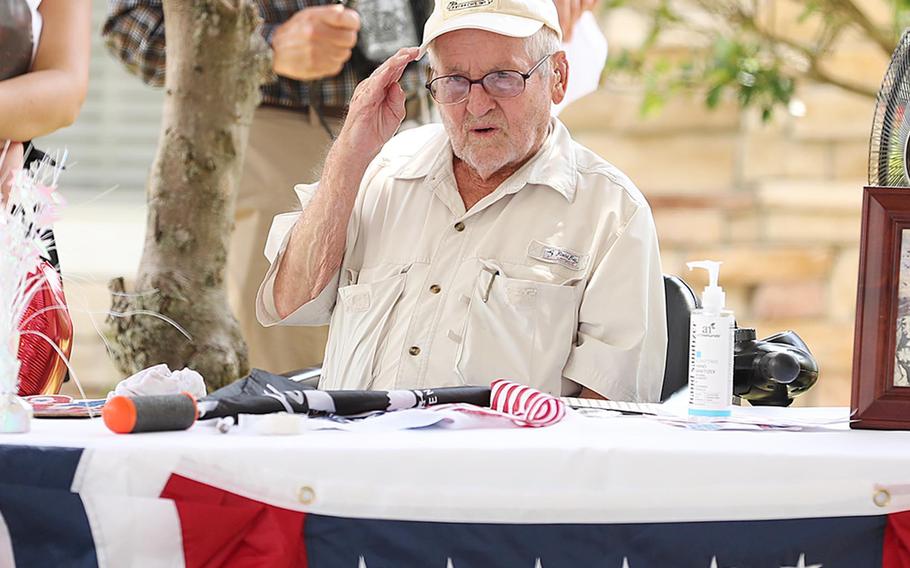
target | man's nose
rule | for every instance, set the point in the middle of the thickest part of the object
(479, 102)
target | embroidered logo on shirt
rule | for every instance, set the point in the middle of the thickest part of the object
(556, 255)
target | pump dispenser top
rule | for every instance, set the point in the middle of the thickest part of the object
(713, 297)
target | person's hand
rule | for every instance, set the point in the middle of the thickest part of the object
(315, 42)
(15, 160)
(569, 11)
(377, 107)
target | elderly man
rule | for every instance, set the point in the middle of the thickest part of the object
(489, 246)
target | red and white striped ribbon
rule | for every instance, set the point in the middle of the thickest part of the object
(526, 406)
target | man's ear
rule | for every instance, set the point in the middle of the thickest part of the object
(561, 70)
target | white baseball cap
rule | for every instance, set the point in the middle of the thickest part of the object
(515, 18)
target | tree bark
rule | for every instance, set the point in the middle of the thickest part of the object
(216, 61)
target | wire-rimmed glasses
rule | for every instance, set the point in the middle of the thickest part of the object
(504, 84)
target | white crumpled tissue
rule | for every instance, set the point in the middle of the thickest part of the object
(160, 380)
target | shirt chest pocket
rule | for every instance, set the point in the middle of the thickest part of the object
(360, 324)
(518, 329)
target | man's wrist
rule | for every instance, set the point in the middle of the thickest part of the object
(350, 152)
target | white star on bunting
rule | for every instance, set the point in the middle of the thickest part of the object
(625, 563)
(714, 563)
(802, 563)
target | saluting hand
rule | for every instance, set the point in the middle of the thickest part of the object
(377, 106)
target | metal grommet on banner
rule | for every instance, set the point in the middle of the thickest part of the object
(881, 497)
(306, 495)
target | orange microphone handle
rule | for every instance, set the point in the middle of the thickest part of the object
(157, 413)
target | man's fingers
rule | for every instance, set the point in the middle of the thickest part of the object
(395, 98)
(385, 79)
(337, 56)
(338, 16)
(374, 90)
(391, 69)
(395, 102)
(324, 33)
(335, 37)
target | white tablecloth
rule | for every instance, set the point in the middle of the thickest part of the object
(623, 469)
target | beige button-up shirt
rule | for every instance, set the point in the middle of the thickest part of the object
(553, 278)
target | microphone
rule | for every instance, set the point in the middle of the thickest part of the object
(156, 413)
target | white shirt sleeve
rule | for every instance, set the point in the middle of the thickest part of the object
(622, 331)
(317, 311)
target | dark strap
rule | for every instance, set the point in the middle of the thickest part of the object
(33, 155)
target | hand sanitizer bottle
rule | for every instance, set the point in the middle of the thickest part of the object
(710, 351)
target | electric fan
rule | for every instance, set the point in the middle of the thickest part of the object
(46, 342)
(888, 147)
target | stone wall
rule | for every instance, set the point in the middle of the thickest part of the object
(778, 203)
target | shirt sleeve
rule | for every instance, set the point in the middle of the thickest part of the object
(622, 333)
(134, 34)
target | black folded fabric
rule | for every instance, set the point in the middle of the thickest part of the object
(263, 393)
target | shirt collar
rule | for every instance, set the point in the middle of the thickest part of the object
(431, 158)
(553, 165)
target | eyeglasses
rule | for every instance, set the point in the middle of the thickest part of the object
(505, 84)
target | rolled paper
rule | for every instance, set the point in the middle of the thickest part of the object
(133, 414)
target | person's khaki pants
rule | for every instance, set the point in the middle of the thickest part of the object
(285, 148)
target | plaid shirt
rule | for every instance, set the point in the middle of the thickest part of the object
(134, 32)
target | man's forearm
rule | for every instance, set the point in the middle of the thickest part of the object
(317, 243)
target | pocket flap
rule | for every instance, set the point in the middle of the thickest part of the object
(356, 298)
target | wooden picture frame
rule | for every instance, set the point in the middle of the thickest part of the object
(880, 395)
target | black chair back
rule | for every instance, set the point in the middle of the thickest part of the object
(681, 300)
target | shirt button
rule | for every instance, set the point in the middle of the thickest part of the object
(414, 350)
(459, 226)
(435, 289)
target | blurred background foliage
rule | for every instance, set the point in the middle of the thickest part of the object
(755, 51)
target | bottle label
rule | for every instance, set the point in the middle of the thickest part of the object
(710, 364)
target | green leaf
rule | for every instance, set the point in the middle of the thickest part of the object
(712, 99)
(652, 103)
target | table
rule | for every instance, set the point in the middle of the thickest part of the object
(626, 491)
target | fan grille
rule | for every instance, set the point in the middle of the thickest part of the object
(43, 369)
(890, 126)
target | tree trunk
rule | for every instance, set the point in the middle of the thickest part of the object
(216, 61)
